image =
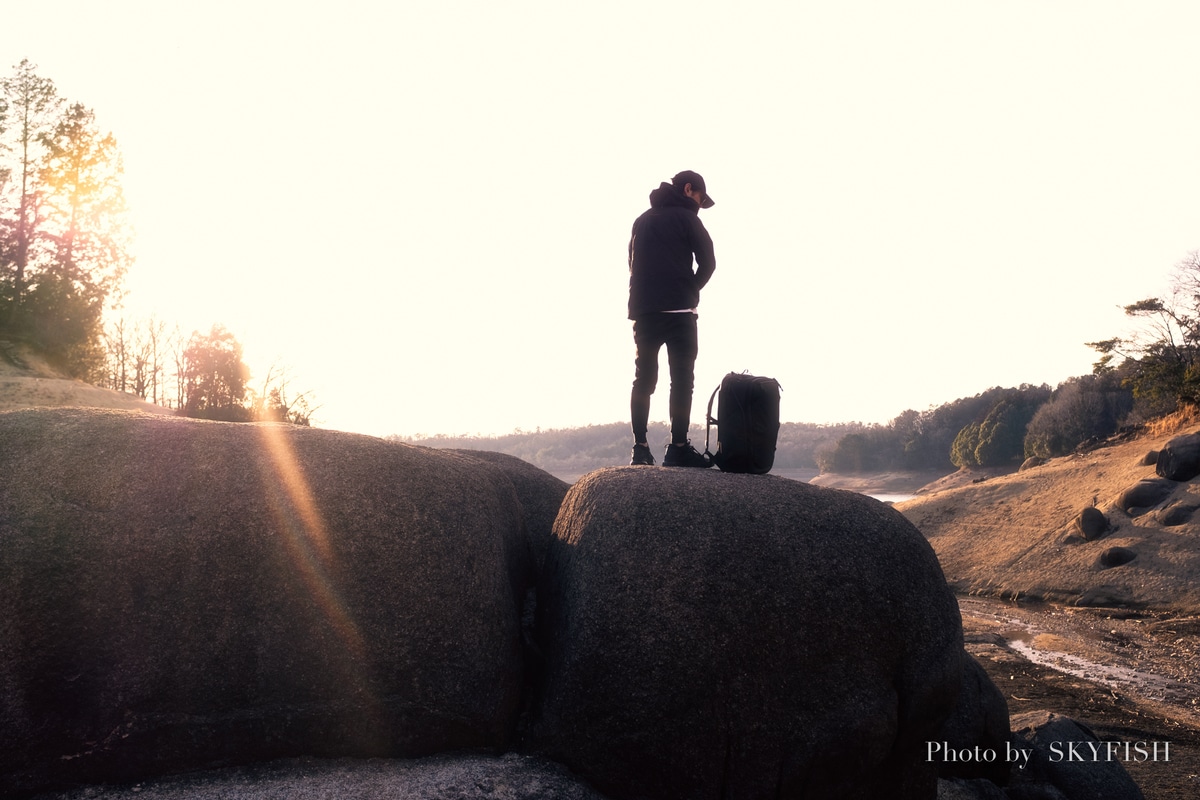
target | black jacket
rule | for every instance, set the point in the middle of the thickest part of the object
(664, 240)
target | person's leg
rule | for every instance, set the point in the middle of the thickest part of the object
(682, 348)
(647, 339)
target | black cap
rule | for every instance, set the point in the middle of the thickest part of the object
(697, 182)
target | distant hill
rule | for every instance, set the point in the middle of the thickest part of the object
(571, 452)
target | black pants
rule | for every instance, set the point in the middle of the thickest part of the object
(650, 333)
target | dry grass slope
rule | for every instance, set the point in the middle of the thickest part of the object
(27, 381)
(1015, 535)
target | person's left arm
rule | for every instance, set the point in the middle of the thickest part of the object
(706, 259)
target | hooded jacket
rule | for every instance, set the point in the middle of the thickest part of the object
(665, 238)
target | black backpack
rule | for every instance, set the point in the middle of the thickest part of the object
(749, 424)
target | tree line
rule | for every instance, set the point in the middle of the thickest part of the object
(1150, 372)
(202, 376)
(65, 244)
(998, 427)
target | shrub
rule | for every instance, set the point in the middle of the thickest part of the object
(1080, 409)
(1184, 417)
(962, 451)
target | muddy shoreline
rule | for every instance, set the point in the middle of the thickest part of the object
(1129, 676)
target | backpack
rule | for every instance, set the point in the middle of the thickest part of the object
(749, 424)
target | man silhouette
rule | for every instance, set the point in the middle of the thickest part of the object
(664, 292)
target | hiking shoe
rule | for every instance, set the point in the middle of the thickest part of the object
(685, 456)
(642, 456)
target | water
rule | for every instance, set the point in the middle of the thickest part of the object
(1113, 676)
(891, 498)
(1116, 672)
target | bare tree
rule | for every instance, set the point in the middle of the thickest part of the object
(277, 401)
(117, 354)
(1160, 360)
(134, 353)
(179, 362)
(156, 339)
(141, 363)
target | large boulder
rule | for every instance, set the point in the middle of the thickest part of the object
(978, 724)
(460, 776)
(1179, 459)
(1091, 523)
(1115, 557)
(977, 789)
(1179, 513)
(1067, 755)
(716, 635)
(180, 593)
(541, 494)
(1144, 495)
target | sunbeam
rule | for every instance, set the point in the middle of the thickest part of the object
(305, 536)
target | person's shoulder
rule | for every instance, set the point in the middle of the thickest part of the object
(670, 211)
(656, 213)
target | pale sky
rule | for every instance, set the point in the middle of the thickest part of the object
(424, 208)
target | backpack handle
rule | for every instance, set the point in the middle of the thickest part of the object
(709, 420)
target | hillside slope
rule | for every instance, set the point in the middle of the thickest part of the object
(27, 381)
(1016, 536)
